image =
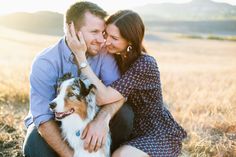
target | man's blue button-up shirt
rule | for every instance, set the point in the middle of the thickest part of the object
(52, 64)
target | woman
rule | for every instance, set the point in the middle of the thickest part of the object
(155, 132)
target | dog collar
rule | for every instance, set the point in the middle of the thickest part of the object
(77, 133)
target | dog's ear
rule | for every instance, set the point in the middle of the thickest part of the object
(76, 81)
(66, 76)
(85, 88)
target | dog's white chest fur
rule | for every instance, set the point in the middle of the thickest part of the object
(74, 91)
(73, 125)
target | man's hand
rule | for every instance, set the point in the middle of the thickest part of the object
(75, 41)
(95, 134)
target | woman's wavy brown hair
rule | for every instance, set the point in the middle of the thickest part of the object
(132, 29)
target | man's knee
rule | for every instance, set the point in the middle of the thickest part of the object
(123, 120)
(121, 126)
(36, 146)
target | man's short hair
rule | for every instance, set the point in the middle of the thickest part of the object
(77, 11)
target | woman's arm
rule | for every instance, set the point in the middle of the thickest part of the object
(104, 95)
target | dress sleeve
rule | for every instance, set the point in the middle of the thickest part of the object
(143, 74)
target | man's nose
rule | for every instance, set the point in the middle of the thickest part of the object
(52, 105)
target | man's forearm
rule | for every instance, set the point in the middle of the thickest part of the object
(108, 111)
(52, 135)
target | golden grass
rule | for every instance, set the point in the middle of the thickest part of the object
(199, 84)
(210, 37)
(11, 130)
(17, 51)
(198, 80)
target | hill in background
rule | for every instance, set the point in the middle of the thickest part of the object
(196, 17)
(44, 22)
(194, 11)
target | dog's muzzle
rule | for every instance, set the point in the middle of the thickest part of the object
(61, 115)
(52, 105)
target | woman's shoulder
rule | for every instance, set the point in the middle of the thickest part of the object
(146, 59)
(145, 62)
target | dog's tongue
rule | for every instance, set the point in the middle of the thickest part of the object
(61, 115)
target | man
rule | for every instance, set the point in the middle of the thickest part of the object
(43, 137)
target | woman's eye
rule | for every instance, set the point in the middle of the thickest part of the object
(114, 38)
(94, 32)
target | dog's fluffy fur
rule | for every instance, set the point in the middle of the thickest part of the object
(75, 106)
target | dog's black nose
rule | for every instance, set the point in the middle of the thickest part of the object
(52, 105)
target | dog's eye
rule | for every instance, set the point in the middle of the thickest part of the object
(70, 94)
(78, 97)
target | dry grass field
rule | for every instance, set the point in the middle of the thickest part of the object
(198, 80)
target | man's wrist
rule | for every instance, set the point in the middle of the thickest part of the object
(68, 152)
(103, 116)
(107, 118)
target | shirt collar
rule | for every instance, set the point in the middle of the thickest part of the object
(66, 51)
(90, 59)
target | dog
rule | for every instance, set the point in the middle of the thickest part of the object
(75, 106)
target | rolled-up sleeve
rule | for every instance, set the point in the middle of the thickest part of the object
(42, 81)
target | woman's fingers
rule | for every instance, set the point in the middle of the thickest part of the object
(68, 35)
(72, 30)
(76, 45)
(81, 37)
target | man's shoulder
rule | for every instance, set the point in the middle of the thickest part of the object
(50, 52)
(47, 57)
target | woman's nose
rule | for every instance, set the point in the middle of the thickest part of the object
(107, 41)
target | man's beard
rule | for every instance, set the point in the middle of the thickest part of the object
(93, 50)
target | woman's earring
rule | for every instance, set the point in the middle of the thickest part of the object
(129, 48)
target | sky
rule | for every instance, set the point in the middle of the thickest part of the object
(10, 6)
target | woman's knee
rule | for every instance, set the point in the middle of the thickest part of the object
(117, 153)
(126, 150)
